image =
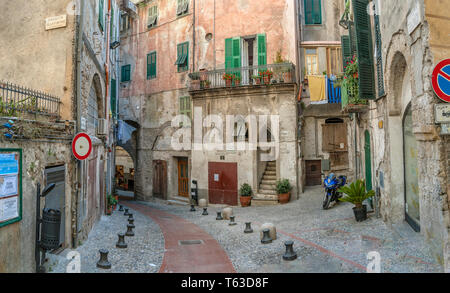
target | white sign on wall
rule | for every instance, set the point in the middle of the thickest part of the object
(414, 18)
(55, 22)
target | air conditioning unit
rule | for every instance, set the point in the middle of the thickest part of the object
(102, 128)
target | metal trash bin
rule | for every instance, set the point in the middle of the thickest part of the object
(51, 222)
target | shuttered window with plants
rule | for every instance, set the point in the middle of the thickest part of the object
(233, 56)
(126, 73)
(182, 57)
(365, 64)
(101, 15)
(151, 65)
(346, 51)
(182, 7)
(152, 16)
(313, 12)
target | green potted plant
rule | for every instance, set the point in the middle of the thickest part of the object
(257, 79)
(111, 201)
(237, 80)
(245, 193)
(283, 188)
(357, 194)
(228, 77)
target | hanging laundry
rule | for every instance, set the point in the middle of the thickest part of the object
(124, 131)
(318, 89)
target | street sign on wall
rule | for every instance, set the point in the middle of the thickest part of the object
(441, 80)
(442, 113)
(81, 146)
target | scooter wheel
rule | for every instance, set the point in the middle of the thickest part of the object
(326, 202)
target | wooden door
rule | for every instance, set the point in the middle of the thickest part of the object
(313, 173)
(222, 183)
(160, 179)
(183, 177)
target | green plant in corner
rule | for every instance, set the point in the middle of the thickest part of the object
(356, 193)
(245, 190)
(283, 186)
(111, 200)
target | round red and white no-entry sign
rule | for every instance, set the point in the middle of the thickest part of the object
(441, 80)
(81, 146)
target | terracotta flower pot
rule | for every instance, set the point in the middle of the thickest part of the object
(228, 82)
(284, 197)
(258, 81)
(237, 82)
(245, 201)
(109, 210)
(266, 80)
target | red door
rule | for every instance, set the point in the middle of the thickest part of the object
(222, 183)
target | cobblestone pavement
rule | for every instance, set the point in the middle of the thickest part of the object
(325, 241)
(144, 253)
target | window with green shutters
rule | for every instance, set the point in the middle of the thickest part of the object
(313, 12)
(111, 24)
(182, 7)
(113, 97)
(151, 65)
(126, 73)
(378, 48)
(233, 54)
(262, 49)
(101, 15)
(182, 57)
(364, 49)
(185, 106)
(346, 51)
(152, 16)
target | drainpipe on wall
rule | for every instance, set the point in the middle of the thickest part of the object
(214, 33)
(193, 38)
(80, 24)
(297, 41)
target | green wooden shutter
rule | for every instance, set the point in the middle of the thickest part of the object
(113, 97)
(364, 49)
(111, 26)
(153, 65)
(317, 12)
(352, 35)
(100, 14)
(236, 52)
(346, 51)
(380, 75)
(308, 11)
(262, 49)
(126, 73)
(149, 57)
(228, 53)
(183, 57)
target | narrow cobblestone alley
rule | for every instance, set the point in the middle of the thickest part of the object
(325, 241)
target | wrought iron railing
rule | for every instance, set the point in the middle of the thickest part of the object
(243, 76)
(15, 100)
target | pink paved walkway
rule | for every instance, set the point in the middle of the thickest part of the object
(208, 257)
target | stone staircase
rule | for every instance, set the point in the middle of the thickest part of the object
(267, 194)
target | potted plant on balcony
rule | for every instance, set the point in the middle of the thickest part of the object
(228, 77)
(356, 194)
(245, 193)
(350, 84)
(237, 80)
(267, 76)
(283, 188)
(206, 84)
(195, 80)
(256, 79)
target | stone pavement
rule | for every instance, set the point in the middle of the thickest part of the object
(325, 241)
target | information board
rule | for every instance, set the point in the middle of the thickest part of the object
(10, 186)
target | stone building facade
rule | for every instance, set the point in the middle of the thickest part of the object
(398, 140)
(59, 49)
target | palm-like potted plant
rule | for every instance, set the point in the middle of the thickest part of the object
(245, 193)
(283, 188)
(357, 194)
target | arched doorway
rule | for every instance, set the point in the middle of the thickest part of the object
(124, 173)
(412, 206)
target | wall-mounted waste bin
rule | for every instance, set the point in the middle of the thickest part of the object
(51, 222)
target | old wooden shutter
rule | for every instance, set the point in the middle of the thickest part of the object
(151, 65)
(317, 12)
(262, 49)
(126, 73)
(346, 51)
(380, 77)
(228, 53)
(101, 18)
(364, 49)
(236, 52)
(113, 97)
(183, 57)
(328, 137)
(111, 26)
(308, 12)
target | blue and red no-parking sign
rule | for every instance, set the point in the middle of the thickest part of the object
(441, 80)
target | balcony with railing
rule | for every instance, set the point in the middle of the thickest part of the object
(243, 76)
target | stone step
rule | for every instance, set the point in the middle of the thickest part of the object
(267, 191)
(271, 163)
(270, 172)
(268, 182)
(263, 202)
(269, 177)
(271, 168)
(267, 186)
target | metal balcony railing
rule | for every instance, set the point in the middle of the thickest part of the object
(334, 93)
(243, 76)
(15, 99)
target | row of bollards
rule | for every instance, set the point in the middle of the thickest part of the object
(103, 263)
(266, 238)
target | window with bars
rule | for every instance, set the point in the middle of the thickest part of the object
(151, 65)
(182, 7)
(182, 57)
(126, 73)
(152, 16)
(92, 112)
(313, 12)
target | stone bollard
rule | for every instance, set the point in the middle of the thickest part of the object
(202, 203)
(266, 237)
(103, 263)
(289, 254)
(126, 212)
(121, 243)
(129, 230)
(131, 222)
(232, 222)
(205, 212)
(219, 216)
(120, 208)
(130, 216)
(248, 228)
(272, 229)
(192, 208)
(227, 212)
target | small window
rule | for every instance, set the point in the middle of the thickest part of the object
(151, 65)
(182, 7)
(311, 61)
(182, 57)
(313, 12)
(126, 73)
(124, 23)
(152, 16)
